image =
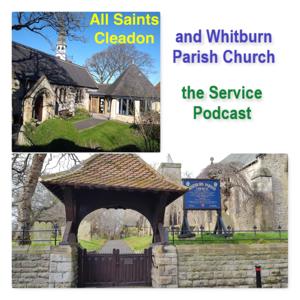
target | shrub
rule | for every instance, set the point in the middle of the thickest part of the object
(82, 112)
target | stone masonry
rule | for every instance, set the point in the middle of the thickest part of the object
(30, 267)
(164, 270)
(232, 265)
(63, 267)
(42, 267)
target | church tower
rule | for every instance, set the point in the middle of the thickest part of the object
(61, 46)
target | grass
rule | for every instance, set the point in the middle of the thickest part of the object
(93, 245)
(237, 238)
(138, 243)
(61, 135)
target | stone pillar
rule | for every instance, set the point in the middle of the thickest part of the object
(137, 110)
(27, 110)
(164, 270)
(114, 108)
(63, 271)
(173, 172)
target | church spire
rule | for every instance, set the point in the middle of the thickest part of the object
(61, 46)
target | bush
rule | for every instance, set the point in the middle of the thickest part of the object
(148, 127)
(82, 112)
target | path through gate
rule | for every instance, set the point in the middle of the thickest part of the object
(100, 270)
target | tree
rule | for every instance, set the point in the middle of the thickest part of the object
(72, 23)
(30, 198)
(111, 62)
(27, 193)
(230, 177)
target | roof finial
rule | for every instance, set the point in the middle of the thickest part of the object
(212, 160)
(169, 158)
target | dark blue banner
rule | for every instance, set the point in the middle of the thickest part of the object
(203, 194)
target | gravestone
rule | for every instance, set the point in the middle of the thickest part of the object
(42, 232)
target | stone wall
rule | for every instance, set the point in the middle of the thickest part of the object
(30, 267)
(232, 265)
(41, 267)
(164, 270)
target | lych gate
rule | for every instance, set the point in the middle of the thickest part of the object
(113, 181)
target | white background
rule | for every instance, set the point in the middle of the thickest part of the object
(274, 128)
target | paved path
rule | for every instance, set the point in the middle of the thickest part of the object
(89, 123)
(115, 244)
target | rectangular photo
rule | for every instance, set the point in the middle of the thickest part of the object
(88, 220)
(86, 82)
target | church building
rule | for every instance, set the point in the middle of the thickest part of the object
(44, 86)
(266, 207)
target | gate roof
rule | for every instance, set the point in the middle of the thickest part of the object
(113, 171)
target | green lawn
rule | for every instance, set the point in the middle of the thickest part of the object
(61, 135)
(93, 245)
(237, 238)
(138, 243)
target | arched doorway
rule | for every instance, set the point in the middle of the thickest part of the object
(118, 181)
(37, 111)
(114, 250)
(125, 226)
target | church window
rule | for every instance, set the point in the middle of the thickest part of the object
(62, 95)
(78, 96)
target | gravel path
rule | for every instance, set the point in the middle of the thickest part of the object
(115, 244)
(88, 123)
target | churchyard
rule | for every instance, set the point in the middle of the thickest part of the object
(74, 134)
(88, 227)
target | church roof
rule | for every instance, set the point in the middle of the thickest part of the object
(133, 83)
(31, 64)
(114, 171)
(243, 159)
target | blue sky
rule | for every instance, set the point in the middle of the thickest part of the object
(79, 51)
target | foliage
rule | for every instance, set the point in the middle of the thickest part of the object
(81, 114)
(148, 128)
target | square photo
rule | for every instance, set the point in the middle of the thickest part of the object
(86, 82)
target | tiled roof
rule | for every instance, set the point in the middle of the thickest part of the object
(133, 83)
(102, 90)
(30, 64)
(114, 171)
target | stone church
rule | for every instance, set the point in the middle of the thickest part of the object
(44, 86)
(265, 207)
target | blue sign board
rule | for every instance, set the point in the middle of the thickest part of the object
(203, 194)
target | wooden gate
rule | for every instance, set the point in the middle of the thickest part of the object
(96, 270)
